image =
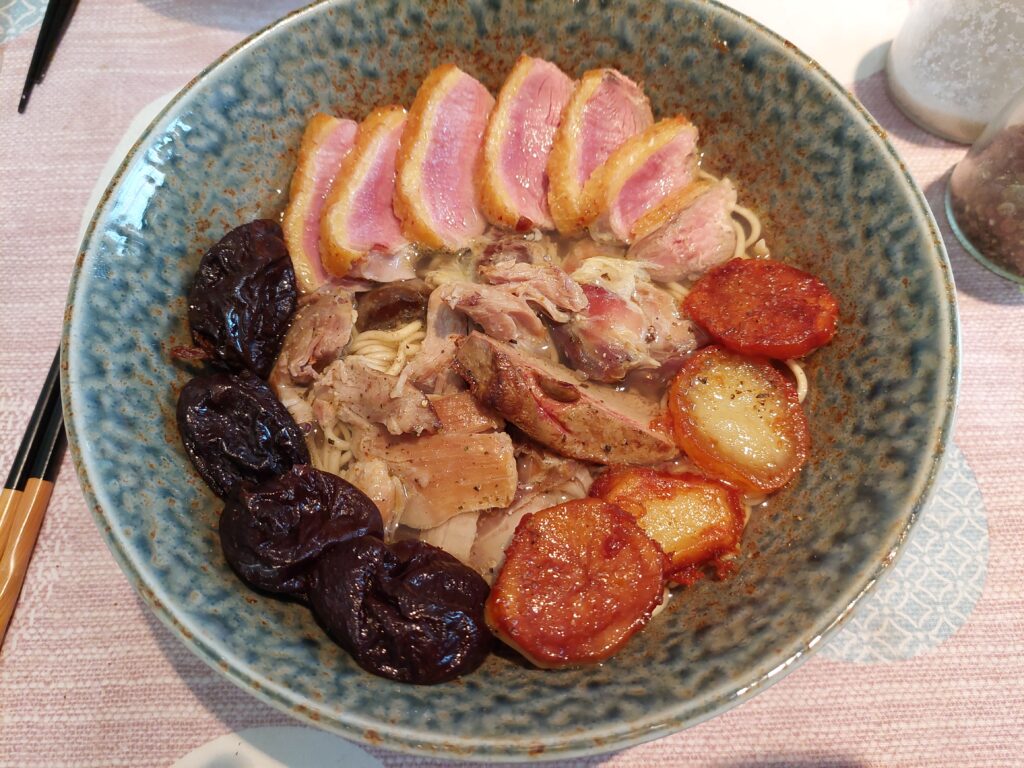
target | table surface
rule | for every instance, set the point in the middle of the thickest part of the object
(930, 671)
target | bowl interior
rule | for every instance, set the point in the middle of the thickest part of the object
(834, 199)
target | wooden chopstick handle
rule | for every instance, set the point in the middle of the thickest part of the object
(28, 519)
(8, 504)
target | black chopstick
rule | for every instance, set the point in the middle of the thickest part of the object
(37, 467)
(19, 474)
(55, 20)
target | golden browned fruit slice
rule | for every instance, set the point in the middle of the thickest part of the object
(763, 307)
(739, 419)
(697, 521)
(579, 580)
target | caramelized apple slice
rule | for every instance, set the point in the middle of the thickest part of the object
(579, 580)
(760, 307)
(696, 520)
(738, 419)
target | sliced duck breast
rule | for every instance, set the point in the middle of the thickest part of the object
(325, 143)
(436, 197)
(359, 217)
(637, 177)
(605, 109)
(383, 267)
(697, 235)
(513, 179)
(550, 404)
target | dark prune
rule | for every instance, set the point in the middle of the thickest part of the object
(272, 534)
(236, 432)
(409, 612)
(393, 305)
(243, 297)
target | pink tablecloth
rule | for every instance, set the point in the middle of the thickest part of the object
(933, 674)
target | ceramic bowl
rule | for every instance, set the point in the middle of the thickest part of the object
(835, 199)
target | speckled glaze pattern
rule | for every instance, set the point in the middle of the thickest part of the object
(835, 200)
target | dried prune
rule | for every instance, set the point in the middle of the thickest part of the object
(243, 297)
(393, 305)
(272, 534)
(408, 612)
(236, 432)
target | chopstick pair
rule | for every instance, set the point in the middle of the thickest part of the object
(27, 491)
(55, 21)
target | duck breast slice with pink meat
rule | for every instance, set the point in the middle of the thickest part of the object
(697, 235)
(605, 109)
(359, 217)
(513, 177)
(325, 143)
(435, 196)
(621, 198)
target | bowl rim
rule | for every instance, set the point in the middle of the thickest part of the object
(577, 744)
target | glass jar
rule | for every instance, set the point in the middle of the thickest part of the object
(954, 63)
(985, 195)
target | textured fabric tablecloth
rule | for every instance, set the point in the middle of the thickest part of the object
(930, 671)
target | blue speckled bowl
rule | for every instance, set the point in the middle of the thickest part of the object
(836, 200)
